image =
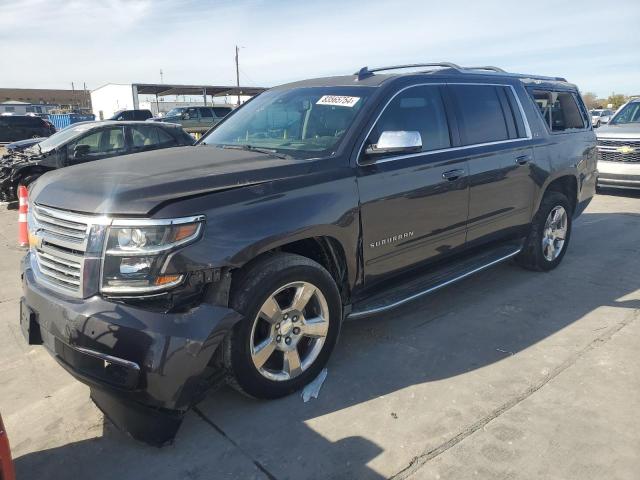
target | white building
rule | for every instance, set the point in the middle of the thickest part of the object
(112, 97)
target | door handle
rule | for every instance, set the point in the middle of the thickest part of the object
(452, 175)
(523, 159)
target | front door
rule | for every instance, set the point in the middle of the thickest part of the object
(190, 118)
(413, 206)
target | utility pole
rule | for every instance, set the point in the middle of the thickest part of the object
(238, 74)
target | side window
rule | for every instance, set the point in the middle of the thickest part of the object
(559, 110)
(221, 111)
(143, 136)
(418, 109)
(206, 113)
(191, 114)
(108, 140)
(481, 113)
(165, 138)
(115, 140)
(92, 140)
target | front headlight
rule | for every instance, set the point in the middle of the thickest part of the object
(135, 253)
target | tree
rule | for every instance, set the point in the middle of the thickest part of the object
(590, 100)
(617, 100)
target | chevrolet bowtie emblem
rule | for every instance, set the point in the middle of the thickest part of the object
(626, 149)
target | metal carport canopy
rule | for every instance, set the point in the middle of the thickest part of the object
(163, 89)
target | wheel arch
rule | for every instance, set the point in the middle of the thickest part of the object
(565, 183)
(323, 249)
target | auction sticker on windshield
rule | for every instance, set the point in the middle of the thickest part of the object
(338, 100)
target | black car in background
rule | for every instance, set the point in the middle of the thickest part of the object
(81, 143)
(131, 115)
(21, 127)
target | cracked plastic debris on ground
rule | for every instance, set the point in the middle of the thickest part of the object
(313, 388)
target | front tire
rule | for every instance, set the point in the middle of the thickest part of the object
(549, 236)
(292, 313)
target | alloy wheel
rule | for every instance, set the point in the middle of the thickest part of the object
(289, 331)
(555, 233)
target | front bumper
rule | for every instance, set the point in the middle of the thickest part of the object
(619, 174)
(153, 359)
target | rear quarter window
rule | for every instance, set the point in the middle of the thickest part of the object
(561, 111)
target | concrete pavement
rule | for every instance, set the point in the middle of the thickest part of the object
(509, 374)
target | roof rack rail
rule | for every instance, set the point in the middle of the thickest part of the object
(487, 67)
(365, 72)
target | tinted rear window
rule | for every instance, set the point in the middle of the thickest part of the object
(221, 111)
(481, 113)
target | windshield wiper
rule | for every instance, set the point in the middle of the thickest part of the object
(251, 148)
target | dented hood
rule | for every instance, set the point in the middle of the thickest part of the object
(136, 184)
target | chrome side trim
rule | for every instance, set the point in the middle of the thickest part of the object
(107, 358)
(143, 222)
(366, 313)
(527, 128)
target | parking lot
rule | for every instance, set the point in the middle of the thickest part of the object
(509, 374)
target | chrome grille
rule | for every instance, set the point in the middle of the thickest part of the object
(59, 247)
(60, 269)
(619, 150)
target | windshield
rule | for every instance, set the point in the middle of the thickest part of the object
(62, 137)
(175, 112)
(300, 122)
(596, 113)
(630, 113)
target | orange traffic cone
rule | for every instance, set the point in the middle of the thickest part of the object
(23, 230)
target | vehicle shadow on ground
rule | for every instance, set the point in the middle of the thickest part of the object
(476, 323)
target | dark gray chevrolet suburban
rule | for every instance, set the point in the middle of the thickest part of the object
(238, 259)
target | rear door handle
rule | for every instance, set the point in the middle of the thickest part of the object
(523, 159)
(452, 175)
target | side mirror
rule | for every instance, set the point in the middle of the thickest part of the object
(396, 141)
(80, 151)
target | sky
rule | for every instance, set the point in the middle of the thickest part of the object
(51, 43)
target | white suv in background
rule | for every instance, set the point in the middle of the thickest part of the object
(600, 116)
(619, 148)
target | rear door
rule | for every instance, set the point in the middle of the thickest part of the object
(496, 143)
(413, 206)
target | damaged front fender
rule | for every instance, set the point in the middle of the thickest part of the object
(22, 169)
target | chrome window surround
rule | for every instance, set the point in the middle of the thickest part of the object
(527, 128)
(46, 227)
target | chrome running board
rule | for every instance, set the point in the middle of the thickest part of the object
(432, 281)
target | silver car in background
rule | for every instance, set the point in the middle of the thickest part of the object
(600, 116)
(619, 148)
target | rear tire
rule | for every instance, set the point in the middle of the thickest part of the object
(283, 341)
(549, 236)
